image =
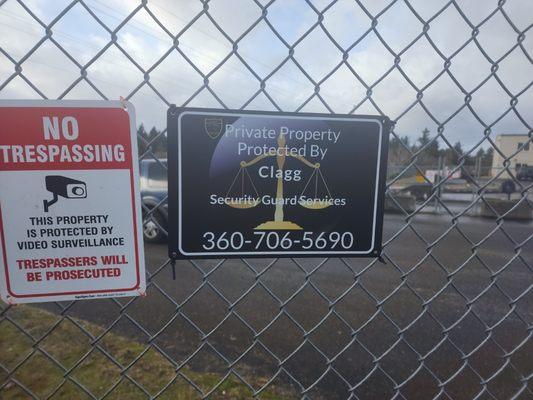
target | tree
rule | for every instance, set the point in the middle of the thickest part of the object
(424, 138)
(430, 155)
(454, 154)
(486, 161)
(153, 140)
(158, 142)
(142, 138)
(399, 153)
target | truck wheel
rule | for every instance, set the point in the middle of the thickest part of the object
(152, 232)
(420, 194)
(508, 186)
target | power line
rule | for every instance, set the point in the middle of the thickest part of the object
(270, 67)
(76, 40)
(204, 56)
(133, 23)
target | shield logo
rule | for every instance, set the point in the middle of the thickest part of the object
(213, 127)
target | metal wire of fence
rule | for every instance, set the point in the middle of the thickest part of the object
(374, 335)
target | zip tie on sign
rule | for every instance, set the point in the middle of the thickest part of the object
(173, 264)
(173, 257)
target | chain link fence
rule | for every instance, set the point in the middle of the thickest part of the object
(448, 315)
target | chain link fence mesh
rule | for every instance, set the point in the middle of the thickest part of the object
(448, 316)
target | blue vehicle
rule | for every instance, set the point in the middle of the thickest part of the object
(154, 191)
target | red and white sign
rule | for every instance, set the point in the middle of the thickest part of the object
(70, 213)
(431, 174)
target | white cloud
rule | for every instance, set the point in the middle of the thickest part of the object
(176, 80)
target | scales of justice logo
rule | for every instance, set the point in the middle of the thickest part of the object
(278, 222)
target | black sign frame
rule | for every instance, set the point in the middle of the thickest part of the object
(173, 151)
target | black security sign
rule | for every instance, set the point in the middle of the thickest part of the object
(270, 184)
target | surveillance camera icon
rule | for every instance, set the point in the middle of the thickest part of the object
(65, 187)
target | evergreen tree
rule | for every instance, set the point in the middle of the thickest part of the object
(399, 154)
(486, 161)
(482, 162)
(142, 138)
(424, 138)
(456, 154)
(429, 157)
(159, 142)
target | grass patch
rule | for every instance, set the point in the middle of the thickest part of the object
(66, 365)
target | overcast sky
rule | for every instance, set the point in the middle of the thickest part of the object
(176, 80)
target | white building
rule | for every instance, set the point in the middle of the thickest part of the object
(508, 145)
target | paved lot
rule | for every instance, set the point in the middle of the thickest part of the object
(403, 305)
